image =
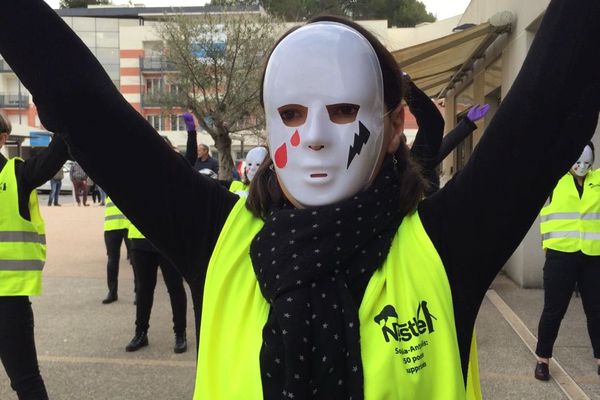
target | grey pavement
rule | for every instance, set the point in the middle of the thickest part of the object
(81, 343)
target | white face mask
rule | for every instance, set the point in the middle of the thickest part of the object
(254, 158)
(583, 165)
(325, 81)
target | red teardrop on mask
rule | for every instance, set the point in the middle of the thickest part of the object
(295, 140)
(281, 156)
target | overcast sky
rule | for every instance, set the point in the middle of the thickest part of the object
(440, 8)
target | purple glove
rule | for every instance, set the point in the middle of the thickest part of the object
(477, 112)
(188, 119)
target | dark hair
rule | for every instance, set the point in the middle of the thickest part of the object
(264, 190)
(5, 125)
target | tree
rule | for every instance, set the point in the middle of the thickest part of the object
(219, 59)
(402, 13)
(81, 3)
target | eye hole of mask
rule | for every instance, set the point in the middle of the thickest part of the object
(293, 115)
(342, 113)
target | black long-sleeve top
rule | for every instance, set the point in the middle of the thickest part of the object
(430, 146)
(430, 122)
(475, 222)
(34, 171)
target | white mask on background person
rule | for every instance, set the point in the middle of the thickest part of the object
(324, 79)
(254, 158)
(584, 163)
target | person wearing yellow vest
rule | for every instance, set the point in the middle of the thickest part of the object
(251, 164)
(22, 258)
(115, 232)
(334, 278)
(146, 260)
(570, 228)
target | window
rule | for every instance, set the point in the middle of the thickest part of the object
(154, 85)
(156, 121)
(107, 24)
(177, 123)
(107, 39)
(175, 89)
(84, 24)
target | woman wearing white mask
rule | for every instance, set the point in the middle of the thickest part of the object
(331, 280)
(570, 229)
(254, 159)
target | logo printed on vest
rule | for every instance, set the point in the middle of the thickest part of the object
(3, 186)
(405, 331)
(414, 328)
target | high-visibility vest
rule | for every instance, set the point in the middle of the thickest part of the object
(411, 287)
(239, 188)
(22, 242)
(134, 233)
(570, 223)
(114, 219)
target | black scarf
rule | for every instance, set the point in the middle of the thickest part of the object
(313, 266)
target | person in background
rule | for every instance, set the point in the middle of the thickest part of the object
(570, 228)
(146, 260)
(431, 146)
(55, 184)
(115, 232)
(254, 159)
(22, 258)
(204, 160)
(93, 190)
(80, 186)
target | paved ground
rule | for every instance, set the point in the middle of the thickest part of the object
(81, 342)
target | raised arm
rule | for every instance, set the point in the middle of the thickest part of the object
(113, 142)
(426, 145)
(427, 142)
(191, 146)
(464, 128)
(478, 219)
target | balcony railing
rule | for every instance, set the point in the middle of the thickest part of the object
(14, 101)
(154, 64)
(4, 67)
(159, 100)
(151, 100)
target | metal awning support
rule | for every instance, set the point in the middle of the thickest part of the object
(441, 64)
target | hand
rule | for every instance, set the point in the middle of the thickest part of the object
(188, 119)
(477, 112)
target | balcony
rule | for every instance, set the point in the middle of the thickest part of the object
(14, 101)
(161, 99)
(156, 64)
(151, 100)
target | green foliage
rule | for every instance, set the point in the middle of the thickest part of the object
(401, 13)
(81, 3)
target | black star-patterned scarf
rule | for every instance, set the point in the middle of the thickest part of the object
(313, 266)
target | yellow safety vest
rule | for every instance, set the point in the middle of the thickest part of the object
(114, 219)
(239, 188)
(22, 242)
(134, 233)
(569, 223)
(408, 335)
